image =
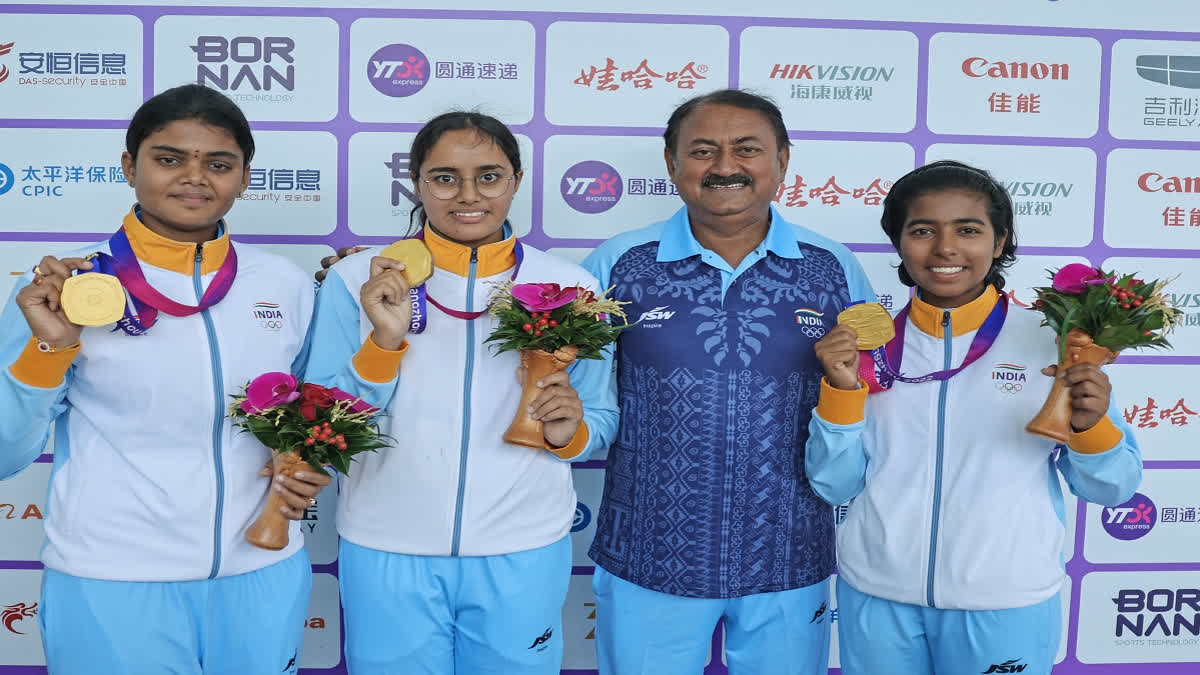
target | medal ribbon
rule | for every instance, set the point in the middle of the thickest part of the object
(419, 296)
(148, 302)
(880, 375)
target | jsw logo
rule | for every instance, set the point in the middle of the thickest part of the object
(413, 67)
(604, 185)
(1122, 514)
(656, 314)
(1011, 666)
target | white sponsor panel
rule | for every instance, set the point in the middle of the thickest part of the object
(1139, 617)
(408, 70)
(830, 189)
(597, 186)
(322, 647)
(273, 67)
(1182, 292)
(306, 256)
(881, 271)
(381, 192)
(630, 73)
(1029, 272)
(20, 603)
(1161, 403)
(1161, 523)
(319, 527)
(575, 255)
(1152, 199)
(829, 79)
(1013, 85)
(579, 625)
(22, 513)
(1155, 91)
(293, 185)
(70, 66)
(1053, 189)
(589, 486)
(62, 180)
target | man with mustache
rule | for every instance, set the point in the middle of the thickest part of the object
(707, 512)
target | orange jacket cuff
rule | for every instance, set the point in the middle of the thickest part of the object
(43, 369)
(842, 406)
(1100, 438)
(376, 364)
(577, 445)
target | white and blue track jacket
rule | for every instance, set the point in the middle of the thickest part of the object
(151, 482)
(451, 485)
(954, 505)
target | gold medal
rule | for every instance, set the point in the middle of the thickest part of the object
(872, 323)
(93, 299)
(417, 260)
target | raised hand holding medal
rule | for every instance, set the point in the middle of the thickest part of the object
(47, 302)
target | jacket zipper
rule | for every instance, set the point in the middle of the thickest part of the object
(941, 443)
(218, 410)
(466, 405)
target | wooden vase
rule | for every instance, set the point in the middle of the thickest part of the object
(1053, 421)
(270, 529)
(525, 430)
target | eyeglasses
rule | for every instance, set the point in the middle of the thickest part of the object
(489, 184)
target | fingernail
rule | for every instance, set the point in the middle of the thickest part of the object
(529, 409)
(277, 488)
(299, 475)
(279, 478)
(540, 383)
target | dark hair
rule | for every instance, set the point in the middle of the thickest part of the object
(733, 97)
(484, 125)
(951, 175)
(190, 102)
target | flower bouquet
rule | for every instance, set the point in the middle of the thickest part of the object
(301, 423)
(551, 326)
(1095, 314)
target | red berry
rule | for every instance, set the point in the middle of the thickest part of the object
(527, 327)
(1113, 293)
(1146, 333)
(316, 429)
(1137, 303)
(310, 441)
(553, 323)
(1124, 305)
(542, 323)
(537, 333)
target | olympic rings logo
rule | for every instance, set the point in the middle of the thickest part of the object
(1009, 387)
(272, 325)
(814, 332)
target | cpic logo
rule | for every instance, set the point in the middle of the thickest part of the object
(247, 51)
(591, 187)
(583, 517)
(1132, 520)
(7, 179)
(14, 613)
(398, 70)
(1173, 71)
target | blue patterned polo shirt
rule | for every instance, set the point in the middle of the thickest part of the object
(705, 493)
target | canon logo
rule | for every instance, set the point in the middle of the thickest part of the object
(977, 66)
(1156, 182)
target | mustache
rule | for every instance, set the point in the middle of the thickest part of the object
(723, 181)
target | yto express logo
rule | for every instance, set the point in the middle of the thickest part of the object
(398, 70)
(1132, 520)
(1008, 378)
(591, 187)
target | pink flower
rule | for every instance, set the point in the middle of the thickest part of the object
(268, 391)
(543, 297)
(1074, 279)
(358, 406)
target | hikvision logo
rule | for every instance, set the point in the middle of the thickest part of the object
(1156, 182)
(833, 73)
(4, 51)
(1173, 71)
(1038, 189)
(977, 66)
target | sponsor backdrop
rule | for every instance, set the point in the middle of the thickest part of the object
(1089, 112)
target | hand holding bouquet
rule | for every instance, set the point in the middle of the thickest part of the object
(551, 326)
(1096, 314)
(301, 423)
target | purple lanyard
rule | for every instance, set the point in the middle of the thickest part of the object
(418, 296)
(882, 375)
(148, 302)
